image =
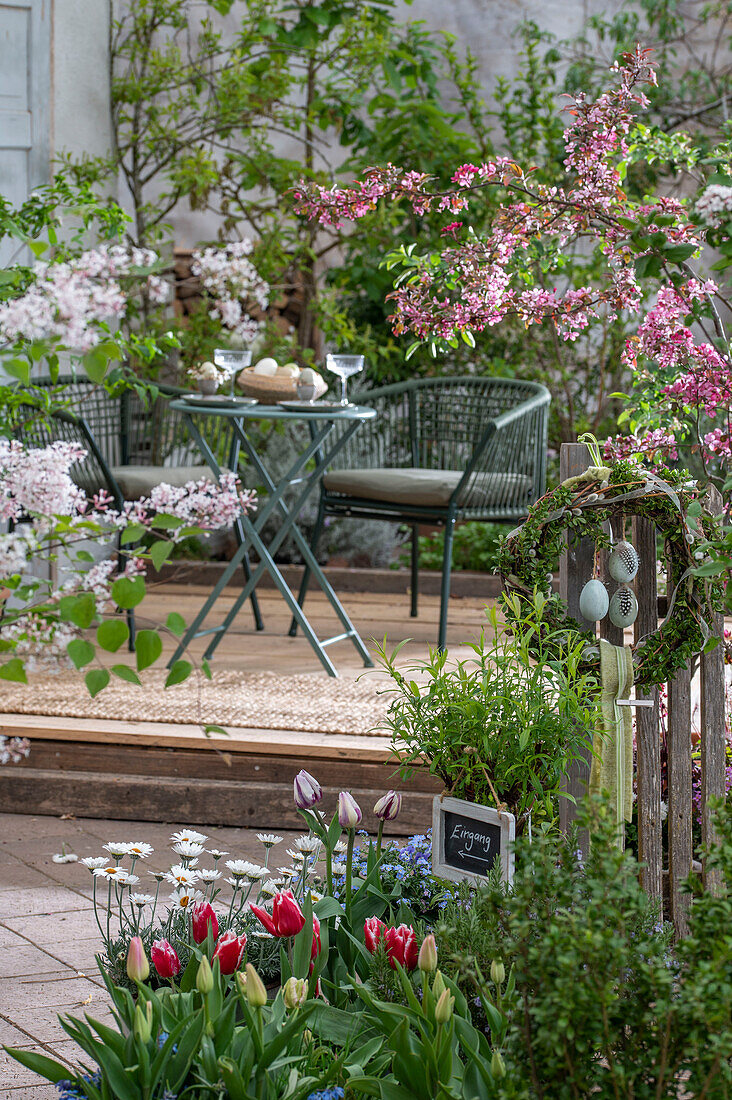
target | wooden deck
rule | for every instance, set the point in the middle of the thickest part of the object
(172, 772)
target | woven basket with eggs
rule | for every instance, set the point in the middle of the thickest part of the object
(271, 384)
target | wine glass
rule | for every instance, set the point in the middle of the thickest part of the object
(232, 360)
(344, 366)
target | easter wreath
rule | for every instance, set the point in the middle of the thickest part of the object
(583, 505)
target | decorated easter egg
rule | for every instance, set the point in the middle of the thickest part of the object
(594, 601)
(623, 607)
(623, 562)
(266, 366)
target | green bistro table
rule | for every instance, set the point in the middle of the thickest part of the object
(321, 422)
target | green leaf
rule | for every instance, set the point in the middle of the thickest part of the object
(148, 647)
(159, 553)
(180, 671)
(677, 253)
(211, 730)
(133, 533)
(95, 363)
(128, 592)
(96, 680)
(176, 624)
(81, 652)
(124, 672)
(40, 1064)
(112, 634)
(14, 670)
(206, 668)
(18, 368)
(166, 522)
(83, 610)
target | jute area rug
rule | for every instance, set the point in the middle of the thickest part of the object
(261, 700)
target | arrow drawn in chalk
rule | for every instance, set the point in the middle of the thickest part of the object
(471, 855)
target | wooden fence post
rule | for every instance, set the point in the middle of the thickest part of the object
(712, 719)
(648, 739)
(576, 563)
(678, 773)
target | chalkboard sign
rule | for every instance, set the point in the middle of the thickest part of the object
(467, 839)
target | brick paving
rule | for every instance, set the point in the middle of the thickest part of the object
(48, 935)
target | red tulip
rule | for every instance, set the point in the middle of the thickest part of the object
(373, 930)
(401, 946)
(230, 951)
(287, 917)
(202, 915)
(316, 938)
(164, 958)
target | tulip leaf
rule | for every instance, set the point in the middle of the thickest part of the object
(303, 942)
(39, 1063)
(328, 907)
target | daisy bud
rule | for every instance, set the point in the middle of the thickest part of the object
(138, 968)
(349, 811)
(444, 1007)
(294, 993)
(256, 993)
(427, 961)
(308, 791)
(388, 807)
(498, 972)
(204, 976)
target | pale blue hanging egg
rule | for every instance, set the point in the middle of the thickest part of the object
(593, 601)
(623, 562)
(623, 607)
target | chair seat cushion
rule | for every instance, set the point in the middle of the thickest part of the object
(414, 485)
(139, 481)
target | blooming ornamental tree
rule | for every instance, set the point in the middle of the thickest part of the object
(476, 282)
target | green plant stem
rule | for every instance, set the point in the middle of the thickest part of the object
(349, 873)
(379, 837)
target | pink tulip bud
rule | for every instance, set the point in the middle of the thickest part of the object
(389, 806)
(427, 960)
(138, 967)
(308, 791)
(349, 811)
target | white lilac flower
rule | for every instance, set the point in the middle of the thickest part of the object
(189, 836)
(206, 875)
(241, 868)
(216, 853)
(309, 844)
(112, 874)
(141, 899)
(140, 849)
(94, 861)
(269, 839)
(185, 898)
(188, 849)
(184, 876)
(65, 857)
(117, 849)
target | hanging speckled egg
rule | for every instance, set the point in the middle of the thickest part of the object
(593, 601)
(623, 607)
(623, 562)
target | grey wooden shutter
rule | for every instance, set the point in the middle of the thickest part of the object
(25, 64)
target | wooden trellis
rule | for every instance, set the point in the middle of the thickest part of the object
(575, 569)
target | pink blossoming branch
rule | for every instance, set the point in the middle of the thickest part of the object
(51, 520)
(475, 283)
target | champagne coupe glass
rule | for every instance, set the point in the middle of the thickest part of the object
(232, 360)
(344, 366)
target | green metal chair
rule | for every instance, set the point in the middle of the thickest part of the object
(131, 447)
(441, 450)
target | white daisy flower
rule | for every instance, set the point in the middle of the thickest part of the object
(112, 874)
(206, 875)
(269, 839)
(339, 868)
(141, 899)
(185, 898)
(182, 876)
(132, 880)
(260, 934)
(140, 849)
(188, 849)
(117, 849)
(241, 868)
(270, 887)
(94, 861)
(341, 846)
(189, 836)
(309, 844)
(159, 876)
(296, 857)
(65, 857)
(235, 883)
(288, 872)
(257, 874)
(216, 853)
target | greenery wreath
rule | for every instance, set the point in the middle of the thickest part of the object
(583, 506)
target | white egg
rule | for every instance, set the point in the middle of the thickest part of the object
(593, 601)
(267, 367)
(623, 562)
(623, 607)
(289, 370)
